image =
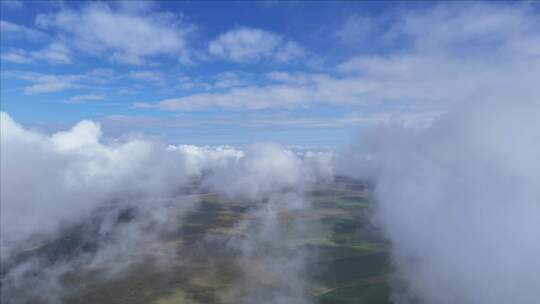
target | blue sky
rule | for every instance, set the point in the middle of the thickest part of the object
(305, 73)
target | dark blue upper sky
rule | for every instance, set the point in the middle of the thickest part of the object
(235, 72)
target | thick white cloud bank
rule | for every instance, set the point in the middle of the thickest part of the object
(460, 203)
(75, 182)
(47, 180)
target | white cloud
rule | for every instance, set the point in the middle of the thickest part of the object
(16, 56)
(409, 118)
(459, 28)
(50, 85)
(489, 54)
(232, 79)
(355, 29)
(459, 202)
(290, 51)
(73, 174)
(246, 45)
(11, 30)
(56, 52)
(47, 83)
(503, 64)
(84, 180)
(86, 97)
(147, 76)
(317, 89)
(127, 36)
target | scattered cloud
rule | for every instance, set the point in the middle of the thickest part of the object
(477, 28)
(96, 78)
(501, 61)
(355, 29)
(56, 52)
(16, 56)
(153, 77)
(246, 45)
(232, 79)
(48, 83)
(126, 36)
(45, 83)
(318, 89)
(86, 97)
(11, 30)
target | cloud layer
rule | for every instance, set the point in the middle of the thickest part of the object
(460, 203)
(72, 182)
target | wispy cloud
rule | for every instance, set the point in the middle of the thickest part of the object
(16, 56)
(56, 52)
(355, 29)
(45, 83)
(49, 83)
(85, 97)
(100, 78)
(126, 36)
(153, 77)
(11, 30)
(317, 89)
(244, 45)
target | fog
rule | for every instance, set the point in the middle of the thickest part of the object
(460, 202)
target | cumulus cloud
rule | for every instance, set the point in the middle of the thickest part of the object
(493, 53)
(120, 34)
(449, 28)
(277, 180)
(83, 172)
(459, 202)
(489, 53)
(81, 185)
(246, 45)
